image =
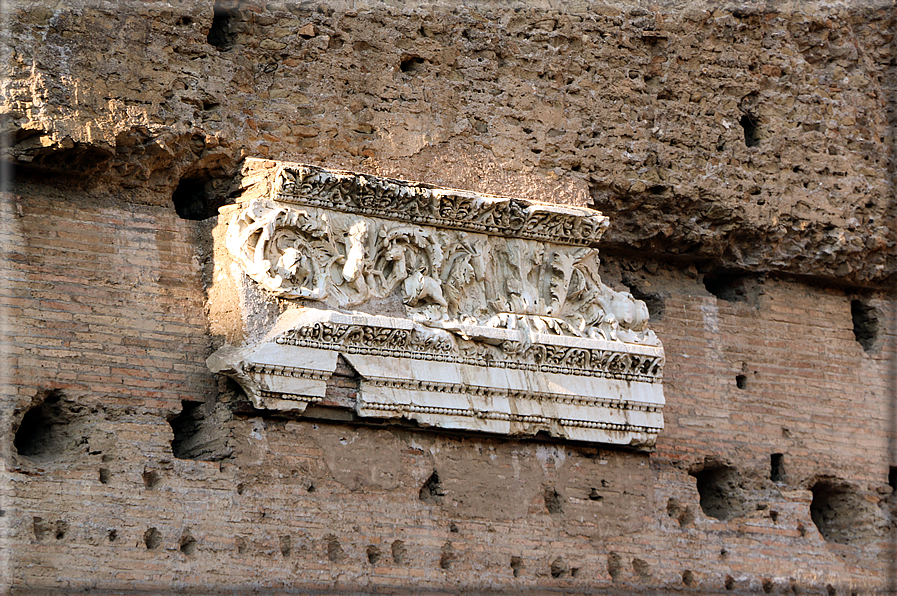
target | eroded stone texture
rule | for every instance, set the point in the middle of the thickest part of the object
(750, 137)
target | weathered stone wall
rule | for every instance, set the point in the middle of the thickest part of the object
(128, 466)
(639, 109)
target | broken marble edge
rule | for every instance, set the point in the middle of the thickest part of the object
(503, 410)
(604, 421)
(590, 222)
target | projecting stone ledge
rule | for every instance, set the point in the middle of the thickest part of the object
(456, 310)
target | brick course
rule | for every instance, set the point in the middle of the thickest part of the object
(114, 317)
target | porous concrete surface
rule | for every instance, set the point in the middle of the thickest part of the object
(634, 107)
(129, 468)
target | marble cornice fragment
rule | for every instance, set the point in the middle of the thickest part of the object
(455, 309)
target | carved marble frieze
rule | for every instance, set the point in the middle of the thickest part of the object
(499, 320)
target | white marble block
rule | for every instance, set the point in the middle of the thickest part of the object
(497, 317)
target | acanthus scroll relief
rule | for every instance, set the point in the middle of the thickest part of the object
(478, 284)
(446, 278)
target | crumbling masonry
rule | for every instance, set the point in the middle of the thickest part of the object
(741, 153)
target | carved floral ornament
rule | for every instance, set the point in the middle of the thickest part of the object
(500, 298)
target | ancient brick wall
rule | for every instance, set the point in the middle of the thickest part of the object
(97, 498)
(128, 466)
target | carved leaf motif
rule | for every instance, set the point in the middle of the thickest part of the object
(445, 278)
